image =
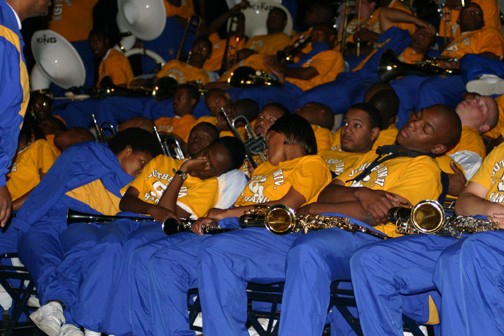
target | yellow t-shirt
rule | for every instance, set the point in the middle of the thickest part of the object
(476, 42)
(196, 196)
(416, 179)
(308, 175)
(449, 27)
(323, 136)
(338, 160)
(373, 23)
(183, 73)
(499, 129)
(470, 140)
(30, 162)
(491, 175)
(180, 126)
(185, 10)
(72, 19)
(386, 137)
(117, 66)
(214, 63)
(410, 56)
(328, 64)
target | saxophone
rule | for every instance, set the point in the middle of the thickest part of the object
(430, 217)
(281, 219)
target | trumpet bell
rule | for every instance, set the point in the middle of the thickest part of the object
(389, 68)
(280, 219)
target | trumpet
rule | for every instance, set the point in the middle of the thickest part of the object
(281, 219)
(192, 27)
(170, 145)
(254, 145)
(246, 76)
(287, 56)
(100, 130)
(430, 217)
(390, 67)
(169, 226)
(230, 50)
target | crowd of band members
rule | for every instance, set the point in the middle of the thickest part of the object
(390, 144)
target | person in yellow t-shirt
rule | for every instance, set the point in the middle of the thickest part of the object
(417, 92)
(359, 131)
(114, 64)
(33, 159)
(184, 72)
(364, 193)
(449, 25)
(293, 175)
(320, 65)
(198, 191)
(366, 28)
(166, 188)
(252, 55)
(215, 99)
(184, 101)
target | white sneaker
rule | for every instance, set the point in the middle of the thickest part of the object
(88, 332)
(49, 318)
(486, 85)
(70, 330)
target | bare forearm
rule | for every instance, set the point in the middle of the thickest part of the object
(301, 73)
(337, 193)
(134, 204)
(470, 205)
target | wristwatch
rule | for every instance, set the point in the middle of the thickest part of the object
(182, 174)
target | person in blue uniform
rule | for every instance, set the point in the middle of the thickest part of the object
(14, 87)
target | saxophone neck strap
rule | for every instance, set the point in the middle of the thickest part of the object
(386, 153)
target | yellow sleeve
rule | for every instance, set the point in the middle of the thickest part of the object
(164, 124)
(491, 170)
(499, 129)
(26, 169)
(310, 176)
(470, 140)
(328, 65)
(491, 13)
(200, 197)
(323, 136)
(185, 10)
(182, 126)
(117, 67)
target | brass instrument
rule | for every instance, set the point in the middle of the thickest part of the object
(296, 47)
(254, 145)
(431, 218)
(170, 226)
(170, 145)
(100, 129)
(281, 219)
(163, 88)
(246, 76)
(192, 27)
(390, 67)
(230, 49)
